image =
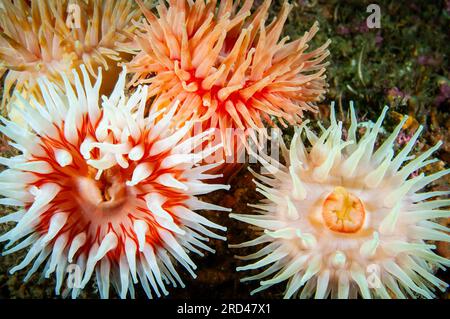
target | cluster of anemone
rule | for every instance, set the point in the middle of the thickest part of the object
(103, 101)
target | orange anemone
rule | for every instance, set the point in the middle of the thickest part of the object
(226, 66)
(46, 38)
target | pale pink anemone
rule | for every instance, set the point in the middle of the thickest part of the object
(47, 37)
(101, 186)
(228, 68)
(343, 218)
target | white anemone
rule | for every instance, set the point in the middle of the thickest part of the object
(345, 218)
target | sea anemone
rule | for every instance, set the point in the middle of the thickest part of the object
(104, 188)
(228, 69)
(47, 37)
(345, 218)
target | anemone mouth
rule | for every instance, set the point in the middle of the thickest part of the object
(343, 212)
(107, 194)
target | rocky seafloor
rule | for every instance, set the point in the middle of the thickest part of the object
(403, 64)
